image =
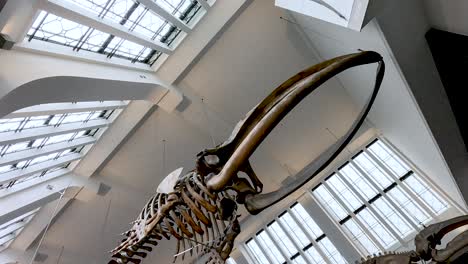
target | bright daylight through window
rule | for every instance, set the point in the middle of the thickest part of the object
(378, 200)
(36, 146)
(292, 237)
(10, 230)
(127, 16)
(43, 142)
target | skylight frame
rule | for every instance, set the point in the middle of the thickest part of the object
(144, 57)
(65, 142)
(292, 242)
(391, 189)
(21, 222)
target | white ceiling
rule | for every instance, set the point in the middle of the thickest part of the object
(255, 54)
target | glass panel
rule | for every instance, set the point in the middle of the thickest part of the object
(11, 229)
(343, 192)
(255, 252)
(428, 196)
(299, 260)
(331, 204)
(313, 255)
(13, 124)
(408, 206)
(374, 226)
(360, 237)
(306, 221)
(129, 13)
(269, 247)
(390, 159)
(358, 181)
(393, 218)
(331, 252)
(374, 172)
(294, 230)
(283, 241)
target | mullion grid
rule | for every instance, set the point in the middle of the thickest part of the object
(423, 196)
(313, 243)
(405, 188)
(383, 196)
(353, 215)
(144, 55)
(393, 231)
(428, 181)
(39, 143)
(284, 247)
(12, 234)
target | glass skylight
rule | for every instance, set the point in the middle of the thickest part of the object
(378, 199)
(128, 13)
(56, 147)
(20, 124)
(45, 142)
(10, 230)
(293, 237)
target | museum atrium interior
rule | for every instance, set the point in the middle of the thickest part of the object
(101, 99)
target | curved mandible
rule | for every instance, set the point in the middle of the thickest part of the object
(277, 105)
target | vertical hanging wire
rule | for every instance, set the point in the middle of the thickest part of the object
(60, 255)
(164, 158)
(208, 122)
(50, 222)
(104, 225)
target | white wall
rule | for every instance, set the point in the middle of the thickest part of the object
(396, 112)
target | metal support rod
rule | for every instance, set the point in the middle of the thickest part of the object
(48, 224)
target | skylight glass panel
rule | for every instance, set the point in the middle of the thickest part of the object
(128, 13)
(256, 252)
(266, 243)
(178, 7)
(306, 221)
(10, 230)
(296, 236)
(380, 208)
(57, 154)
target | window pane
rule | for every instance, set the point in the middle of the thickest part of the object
(393, 218)
(313, 254)
(408, 206)
(376, 228)
(306, 221)
(421, 189)
(392, 162)
(374, 172)
(256, 253)
(331, 252)
(331, 204)
(361, 239)
(343, 192)
(129, 13)
(283, 241)
(358, 181)
(299, 260)
(268, 246)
